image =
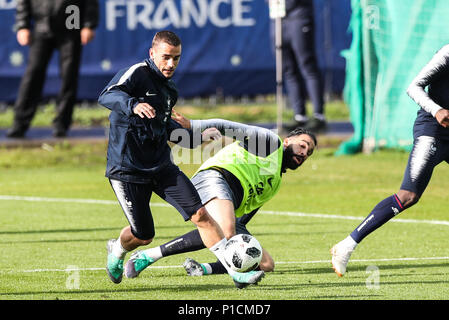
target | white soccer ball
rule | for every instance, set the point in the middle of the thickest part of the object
(243, 253)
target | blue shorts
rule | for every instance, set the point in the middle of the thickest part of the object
(240, 227)
(426, 154)
(171, 184)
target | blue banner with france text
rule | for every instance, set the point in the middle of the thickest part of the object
(227, 48)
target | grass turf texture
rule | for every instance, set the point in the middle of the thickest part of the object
(39, 241)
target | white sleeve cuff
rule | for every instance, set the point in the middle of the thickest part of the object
(435, 110)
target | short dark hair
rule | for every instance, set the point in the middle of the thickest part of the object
(299, 131)
(166, 36)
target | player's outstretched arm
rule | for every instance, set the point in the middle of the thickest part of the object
(180, 132)
(235, 130)
(226, 127)
(431, 71)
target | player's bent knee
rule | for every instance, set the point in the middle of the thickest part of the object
(144, 240)
(200, 216)
(228, 231)
(228, 234)
(408, 198)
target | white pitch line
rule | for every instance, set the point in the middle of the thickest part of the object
(279, 262)
(287, 213)
(84, 269)
(334, 216)
(70, 200)
(367, 260)
(159, 204)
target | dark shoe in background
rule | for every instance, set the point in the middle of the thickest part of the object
(292, 126)
(16, 133)
(316, 125)
(59, 133)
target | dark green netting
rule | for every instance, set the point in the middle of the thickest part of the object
(392, 41)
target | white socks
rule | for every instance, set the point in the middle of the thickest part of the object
(348, 242)
(118, 250)
(153, 253)
(207, 267)
(218, 250)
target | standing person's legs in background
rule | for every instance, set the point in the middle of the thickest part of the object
(69, 63)
(31, 85)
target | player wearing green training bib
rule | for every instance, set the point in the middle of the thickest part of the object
(259, 176)
(234, 183)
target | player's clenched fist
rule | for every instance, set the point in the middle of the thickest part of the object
(144, 110)
(442, 117)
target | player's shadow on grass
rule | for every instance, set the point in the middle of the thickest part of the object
(293, 233)
(116, 290)
(397, 266)
(342, 284)
(74, 240)
(362, 268)
(69, 230)
(25, 232)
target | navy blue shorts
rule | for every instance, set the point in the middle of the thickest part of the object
(426, 154)
(241, 222)
(171, 184)
(240, 227)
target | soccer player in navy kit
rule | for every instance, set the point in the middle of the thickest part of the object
(233, 185)
(430, 148)
(139, 162)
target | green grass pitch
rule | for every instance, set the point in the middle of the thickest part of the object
(53, 237)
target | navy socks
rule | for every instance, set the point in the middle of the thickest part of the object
(382, 212)
(216, 268)
(191, 241)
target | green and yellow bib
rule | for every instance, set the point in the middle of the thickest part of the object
(260, 176)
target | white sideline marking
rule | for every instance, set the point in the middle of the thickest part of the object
(70, 200)
(288, 213)
(280, 262)
(334, 216)
(159, 204)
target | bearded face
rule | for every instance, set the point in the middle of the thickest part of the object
(296, 151)
(291, 160)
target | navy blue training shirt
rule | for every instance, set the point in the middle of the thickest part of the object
(138, 147)
(435, 78)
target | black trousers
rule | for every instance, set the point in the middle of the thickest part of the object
(32, 83)
(302, 77)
